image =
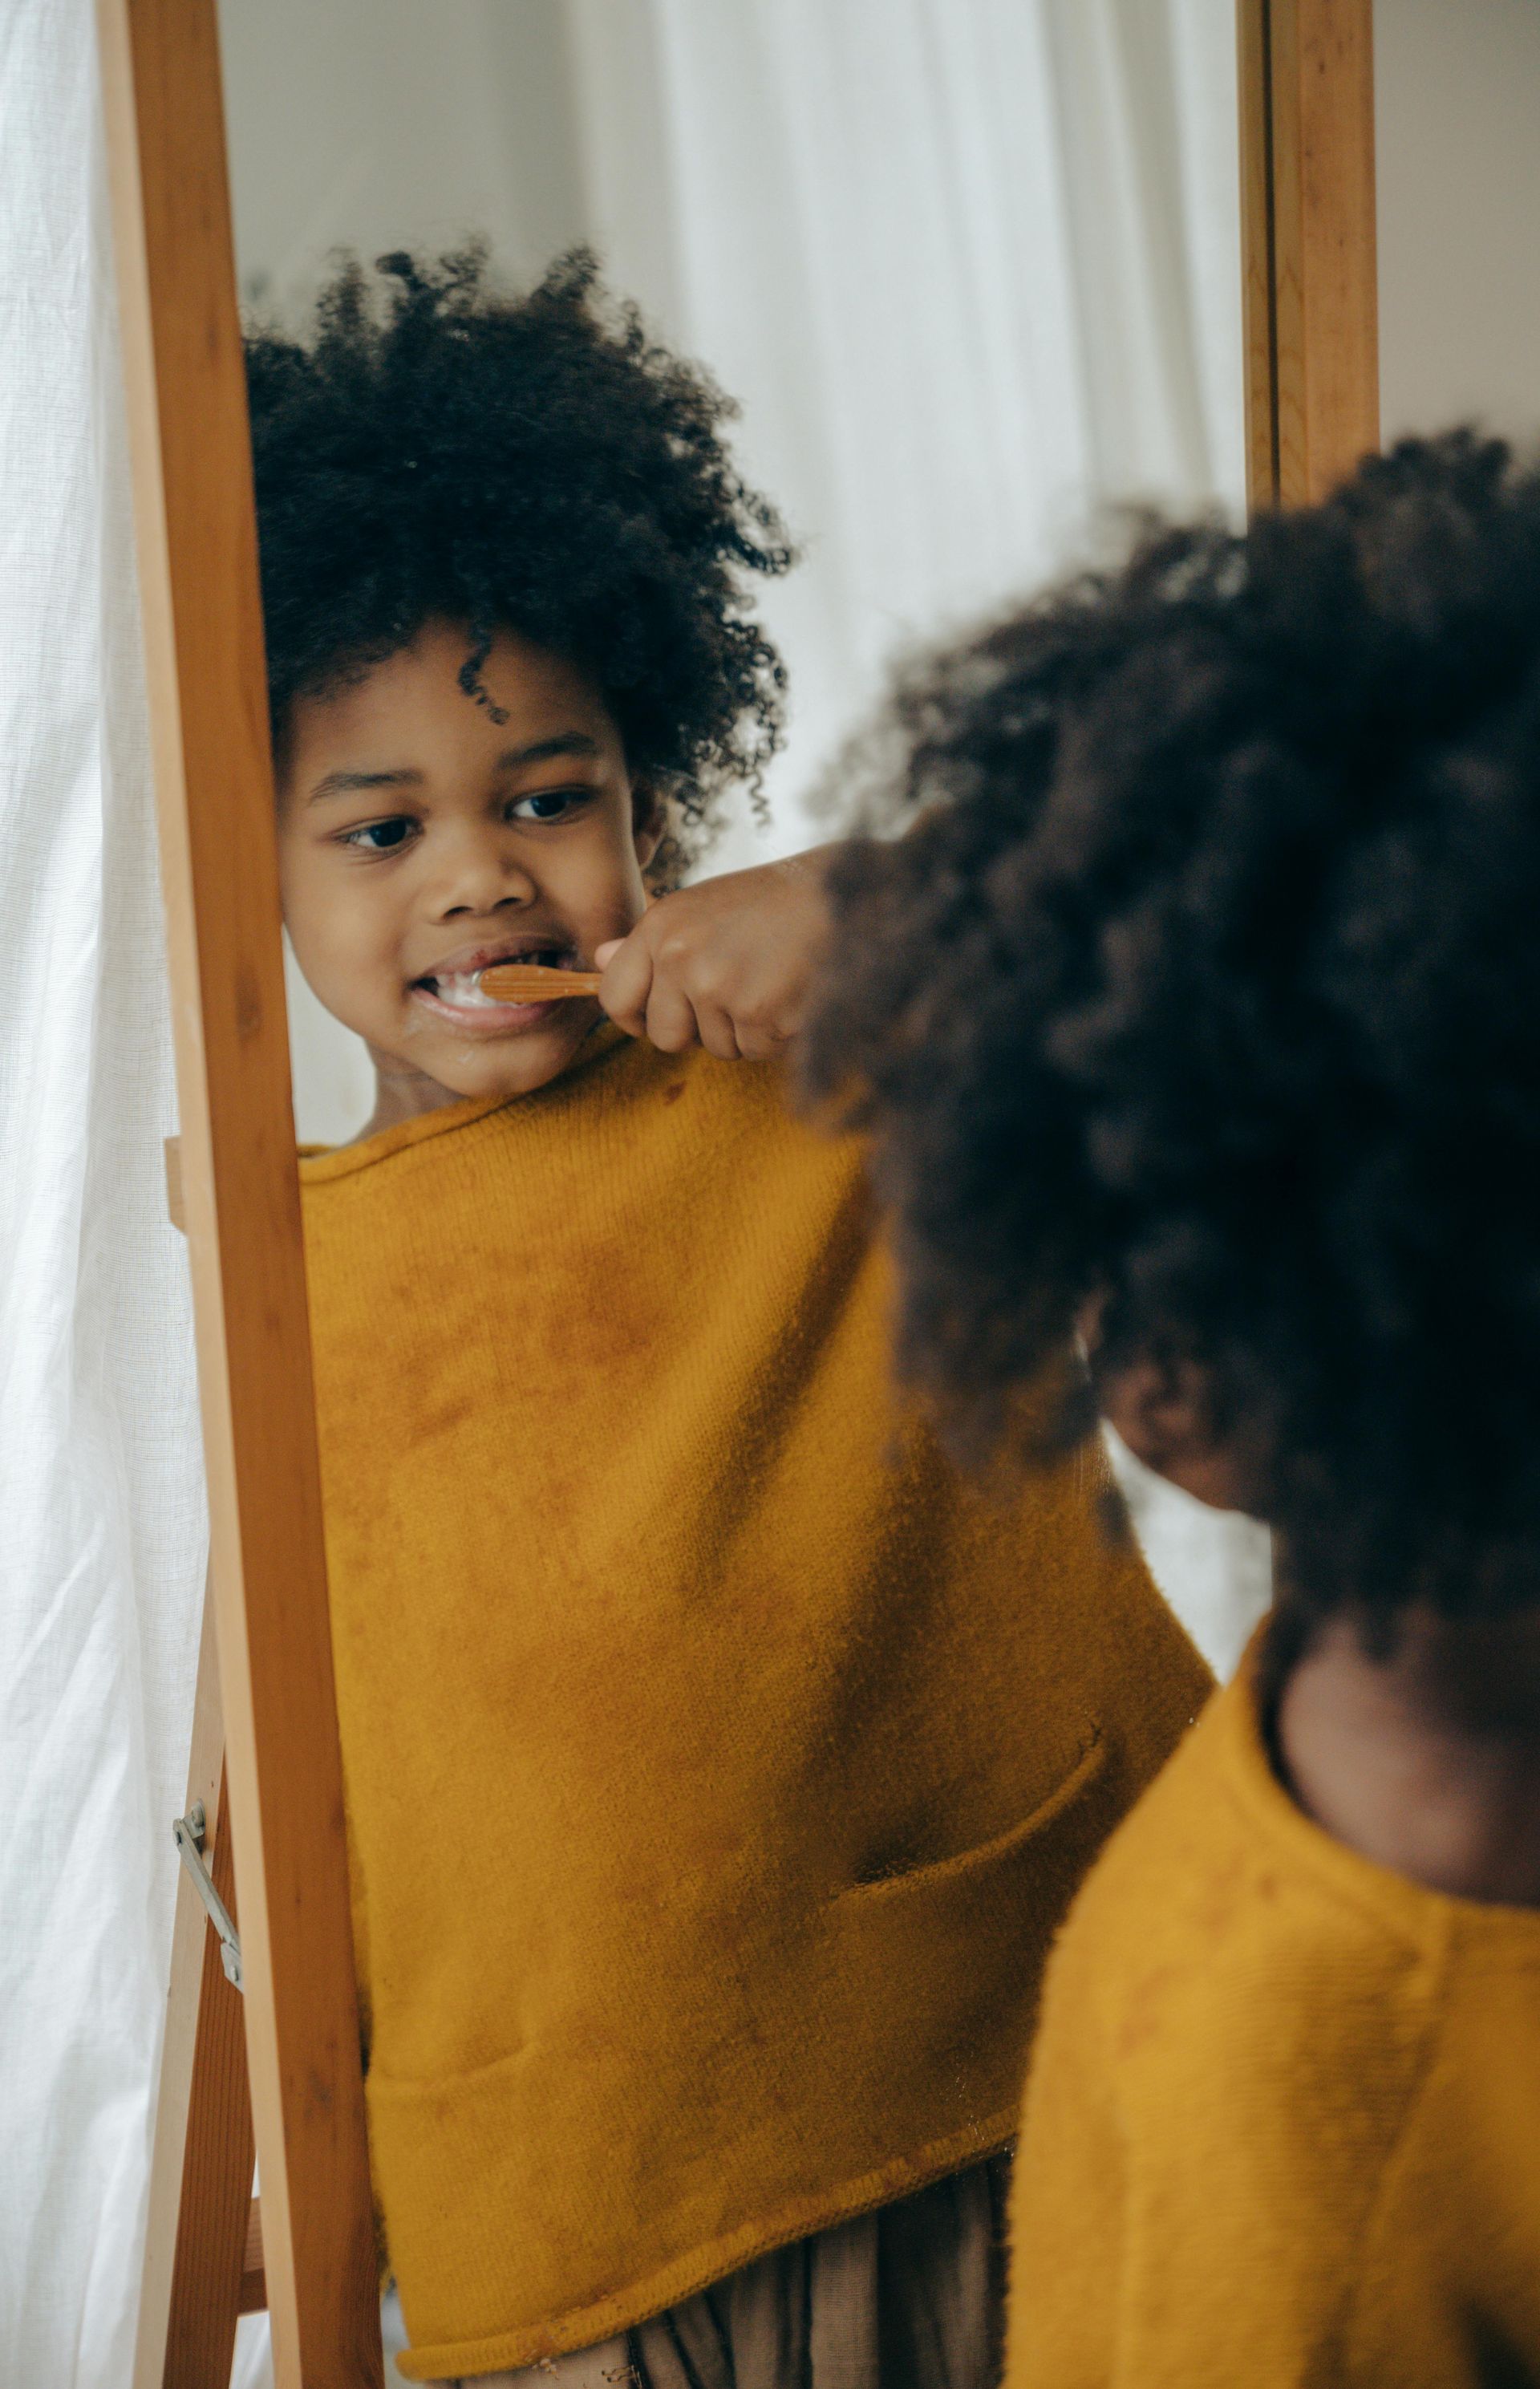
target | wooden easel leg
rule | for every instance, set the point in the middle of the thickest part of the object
(197, 2277)
(209, 2266)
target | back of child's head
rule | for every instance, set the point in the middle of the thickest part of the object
(433, 450)
(1208, 985)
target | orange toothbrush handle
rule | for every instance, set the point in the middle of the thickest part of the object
(533, 983)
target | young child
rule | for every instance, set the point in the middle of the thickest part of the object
(717, 1767)
(1204, 1008)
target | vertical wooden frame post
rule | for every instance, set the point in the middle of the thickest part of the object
(1309, 268)
(190, 451)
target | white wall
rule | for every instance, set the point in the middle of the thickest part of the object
(1457, 143)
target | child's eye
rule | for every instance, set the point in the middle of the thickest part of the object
(381, 837)
(549, 804)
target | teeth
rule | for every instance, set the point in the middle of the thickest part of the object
(464, 988)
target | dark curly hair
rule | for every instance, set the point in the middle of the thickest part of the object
(433, 449)
(1208, 982)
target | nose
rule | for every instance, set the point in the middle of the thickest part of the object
(478, 875)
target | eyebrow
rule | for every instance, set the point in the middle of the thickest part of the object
(540, 750)
(348, 784)
(565, 742)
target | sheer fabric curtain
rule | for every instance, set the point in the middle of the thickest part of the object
(971, 266)
(101, 1512)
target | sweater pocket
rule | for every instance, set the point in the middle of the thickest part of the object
(963, 1865)
(916, 2021)
(636, 2147)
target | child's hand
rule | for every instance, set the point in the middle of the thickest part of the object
(727, 964)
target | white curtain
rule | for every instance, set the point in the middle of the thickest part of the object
(101, 1515)
(971, 266)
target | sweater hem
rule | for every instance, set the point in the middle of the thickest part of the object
(621, 2309)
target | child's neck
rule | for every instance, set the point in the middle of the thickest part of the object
(401, 1094)
(1427, 1761)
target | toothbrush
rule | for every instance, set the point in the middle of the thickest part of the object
(533, 983)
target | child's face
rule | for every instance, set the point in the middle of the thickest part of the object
(420, 840)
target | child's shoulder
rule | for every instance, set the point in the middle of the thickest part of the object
(1294, 2131)
(1289, 2057)
(1221, 1924)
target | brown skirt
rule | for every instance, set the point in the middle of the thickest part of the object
(909, 2297)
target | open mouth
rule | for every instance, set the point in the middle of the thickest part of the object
(460, 988)
(464, 985)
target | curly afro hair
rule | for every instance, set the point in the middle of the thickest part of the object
(433, 450)
(1208, 983)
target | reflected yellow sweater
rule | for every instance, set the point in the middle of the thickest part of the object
(1283, 2126)
(717, 1769)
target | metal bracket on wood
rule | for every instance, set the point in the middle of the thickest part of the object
(188, 1833)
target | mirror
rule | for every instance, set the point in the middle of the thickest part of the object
(972, 275)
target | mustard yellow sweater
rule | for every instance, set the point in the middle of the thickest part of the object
(1283, 2126)
(717, 1769)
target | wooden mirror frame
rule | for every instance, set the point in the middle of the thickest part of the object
(1309, 285)
(195, 529)
(282, 2065)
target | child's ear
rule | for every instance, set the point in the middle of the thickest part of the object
(1160, 1410)
(649, 821)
